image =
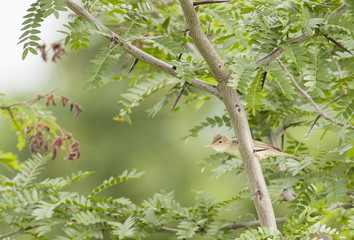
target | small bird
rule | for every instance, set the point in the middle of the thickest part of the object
(223, 143)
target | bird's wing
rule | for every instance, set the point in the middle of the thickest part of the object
(261, 146)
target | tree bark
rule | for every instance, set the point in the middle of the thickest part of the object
(237, 115)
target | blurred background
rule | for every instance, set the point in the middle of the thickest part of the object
(154, 145)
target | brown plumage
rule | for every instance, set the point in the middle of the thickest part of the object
(223, 143)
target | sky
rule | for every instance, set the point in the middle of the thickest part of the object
(32, 74)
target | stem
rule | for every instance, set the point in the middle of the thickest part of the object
(234, 225)
(237, 115)
(209, 2)
(18, 230)
(309, 98)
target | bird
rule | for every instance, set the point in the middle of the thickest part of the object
(223, 143)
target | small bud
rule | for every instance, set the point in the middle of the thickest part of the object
(67, 135)
(75, 152)
(47, 101)
(46, 127)
(64, 100)
(29, 129)
(46, 147)
(71, 106)
(53, 101)
(78, 110)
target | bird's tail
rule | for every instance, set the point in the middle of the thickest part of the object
(290, 156)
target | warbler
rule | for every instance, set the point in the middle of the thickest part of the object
(223, 143)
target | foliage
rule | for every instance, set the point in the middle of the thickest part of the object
(38, 11)
(315, 39)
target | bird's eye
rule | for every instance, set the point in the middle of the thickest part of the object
(220, 141)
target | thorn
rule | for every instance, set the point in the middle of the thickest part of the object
(179, 95)
(112, 43)
(133, 66)
(179, 56)
(314, 122)
(335, 100)
(338, 44)
(264, 78)
(208, 33)
(257, 194)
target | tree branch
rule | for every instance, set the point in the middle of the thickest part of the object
(337, 12)
(209, 2)
(237, 115)
(136, 52)
(340, 205)
(236, 225)
(309, 98)
(278, 51)
(18, 230)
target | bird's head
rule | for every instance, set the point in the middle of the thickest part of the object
(221, 143)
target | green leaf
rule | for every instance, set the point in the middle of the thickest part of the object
(254, 95)
(125, 176)
(124, 230)
(24, 54)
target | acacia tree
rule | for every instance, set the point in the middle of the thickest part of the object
(274, 65)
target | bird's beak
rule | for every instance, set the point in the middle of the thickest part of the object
(210, 145)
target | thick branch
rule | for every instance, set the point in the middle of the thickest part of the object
(136, 52)
(237, 115)
(309, 98)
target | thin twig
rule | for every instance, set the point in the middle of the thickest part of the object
(234, 225)
(30, 101)
(18, 230)
(309, 98)
(339, 72)
(344, 89)
(334, 60)
(278, 51)
(340, 205)
(209, 2)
